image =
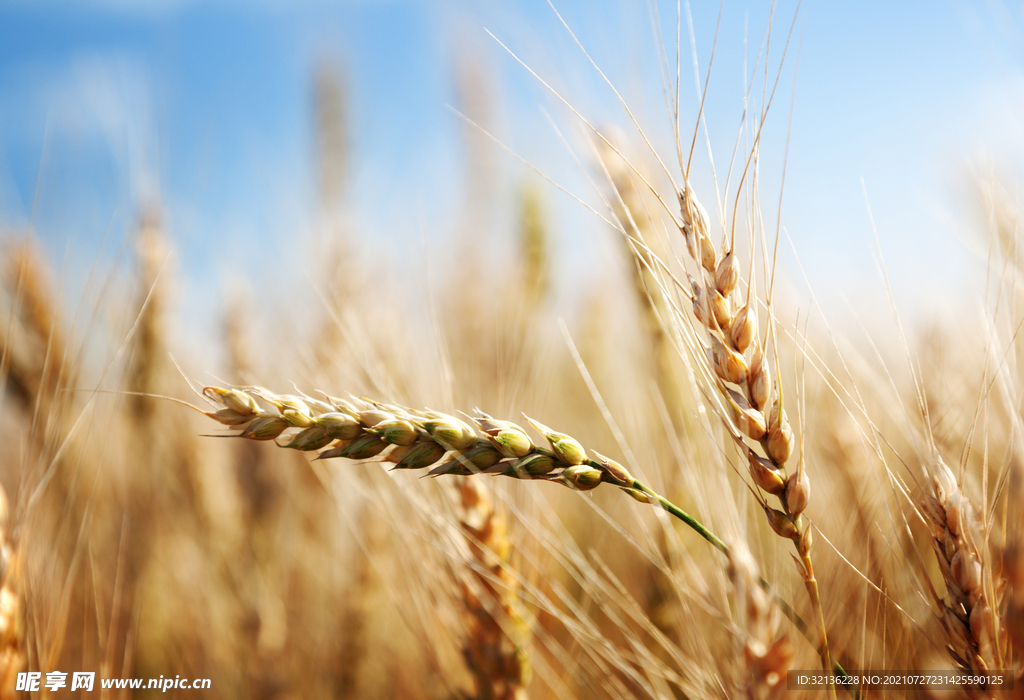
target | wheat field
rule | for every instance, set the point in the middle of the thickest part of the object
(450, 477)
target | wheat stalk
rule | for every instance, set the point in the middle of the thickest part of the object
(150, 333)
(32, 348)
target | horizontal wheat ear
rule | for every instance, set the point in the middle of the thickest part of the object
(361, 429)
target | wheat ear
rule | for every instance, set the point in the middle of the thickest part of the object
(360, 429)
(737, 358)
(631, 213)
(968, 616)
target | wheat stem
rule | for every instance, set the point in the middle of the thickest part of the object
(681, 514)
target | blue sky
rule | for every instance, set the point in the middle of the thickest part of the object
(206, 106)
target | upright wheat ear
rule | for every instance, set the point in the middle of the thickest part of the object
(970, 618)
(736, 357)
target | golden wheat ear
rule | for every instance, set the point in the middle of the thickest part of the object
(970, 618)
(736, 363)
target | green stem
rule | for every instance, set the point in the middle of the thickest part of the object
(684, 516)
(784, 606)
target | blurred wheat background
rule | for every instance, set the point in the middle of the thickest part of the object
(377, 199)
